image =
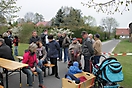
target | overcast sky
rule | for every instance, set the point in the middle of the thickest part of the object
(49, 8)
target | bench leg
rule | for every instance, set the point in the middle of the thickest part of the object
(6, 78)
(20, 79)
(45, 72)
(48, 70)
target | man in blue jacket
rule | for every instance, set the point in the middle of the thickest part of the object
(53, 54)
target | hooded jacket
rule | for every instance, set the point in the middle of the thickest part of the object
(74, 69)
(30, 59)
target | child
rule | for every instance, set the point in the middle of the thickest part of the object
(73, 70)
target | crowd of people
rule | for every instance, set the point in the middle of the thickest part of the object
(46, 47)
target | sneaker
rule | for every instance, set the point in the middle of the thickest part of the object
(57, 77)
(51, 74)
(41, 86)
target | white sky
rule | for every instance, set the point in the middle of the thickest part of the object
(49, 8)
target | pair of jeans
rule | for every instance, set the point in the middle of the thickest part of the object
(55, 68)
(29, 74)
(66, 55)
(87, 63)
(16, 50)
(60, 54)
(96, 60)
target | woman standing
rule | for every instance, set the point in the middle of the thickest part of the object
(30, 58)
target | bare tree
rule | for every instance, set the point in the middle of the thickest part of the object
(38, 18)
(109, 6)
(29, 17)
(110, 24)
(89, 20)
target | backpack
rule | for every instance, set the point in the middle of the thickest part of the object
(1, 79)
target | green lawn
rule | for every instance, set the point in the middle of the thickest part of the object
(126, 61)
(123, 47)
(21, 48)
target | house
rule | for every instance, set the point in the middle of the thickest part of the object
(123, 32)
(45, 23)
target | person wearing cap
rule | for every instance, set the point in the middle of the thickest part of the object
(30, 58)
(75, 50)
(53, 54)
(97, 48)
(87, 50)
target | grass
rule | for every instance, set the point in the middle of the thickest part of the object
(126, 62)
(21, 48)
(123, 47)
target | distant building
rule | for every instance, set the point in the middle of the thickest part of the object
(123, 32)
(45, 23)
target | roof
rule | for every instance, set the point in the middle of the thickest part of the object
(45, 23)
(122, 31)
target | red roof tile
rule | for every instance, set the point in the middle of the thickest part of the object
(122, 31)
(45, 23)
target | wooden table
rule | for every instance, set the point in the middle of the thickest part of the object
(11, 66)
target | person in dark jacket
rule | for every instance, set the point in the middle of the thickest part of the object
(87, 50)
(60, 40)
(5, 51)
(7, 40)
(34, 37)
(53, 54)
(44, 39)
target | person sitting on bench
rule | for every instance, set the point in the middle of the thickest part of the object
(29, 58)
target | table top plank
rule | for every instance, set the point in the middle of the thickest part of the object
(11, 65)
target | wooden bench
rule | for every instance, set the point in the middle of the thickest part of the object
(19, 58)
(48, 66)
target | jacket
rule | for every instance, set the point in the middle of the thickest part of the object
(97, 47)
(34, 39)
(60, 40)
(53, 49)
(66, 42)
(43, 52)
(8, 41)
(43, 39)
(30, 59)
(87, 48)
(74, 69)
(5, 52)
(77, 49)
